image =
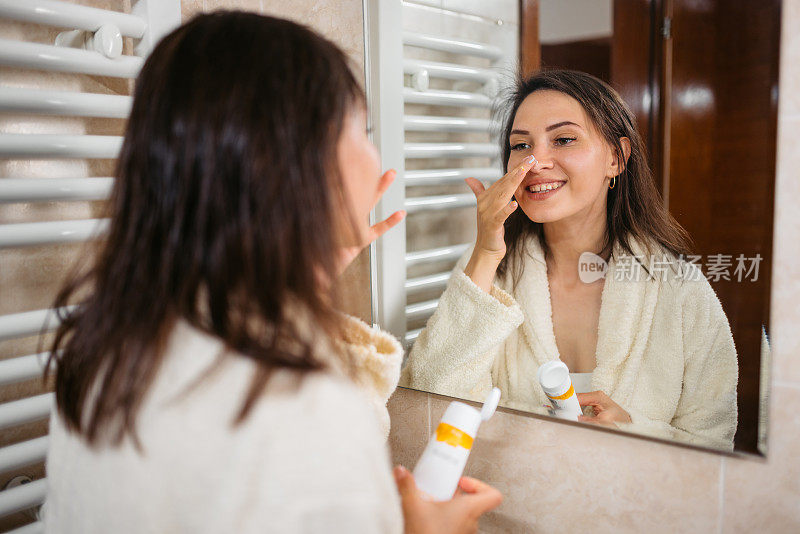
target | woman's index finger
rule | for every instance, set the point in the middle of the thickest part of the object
(509, 183)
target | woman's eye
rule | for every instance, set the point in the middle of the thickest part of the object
(562, 141)
(520, 146)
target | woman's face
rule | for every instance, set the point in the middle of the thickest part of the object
(359, 167)
(573, 158)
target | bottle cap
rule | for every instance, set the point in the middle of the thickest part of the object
(490, 404)
(554, 377)
(468, 419)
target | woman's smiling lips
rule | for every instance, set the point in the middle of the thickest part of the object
(543, 188)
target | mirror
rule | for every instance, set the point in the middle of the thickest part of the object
(668, 341)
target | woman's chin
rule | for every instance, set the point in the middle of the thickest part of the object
(542, 214)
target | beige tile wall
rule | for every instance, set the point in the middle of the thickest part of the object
(560, 478)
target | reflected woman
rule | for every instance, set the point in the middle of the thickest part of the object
(646, 338)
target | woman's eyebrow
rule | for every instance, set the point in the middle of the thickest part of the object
(559, 124)
(549, 128)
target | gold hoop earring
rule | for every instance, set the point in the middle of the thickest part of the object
(613, 182)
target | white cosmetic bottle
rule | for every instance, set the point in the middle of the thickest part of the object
(440, 468)
(557, 385)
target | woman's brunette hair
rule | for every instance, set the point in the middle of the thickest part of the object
(224, 212)
(634, 206)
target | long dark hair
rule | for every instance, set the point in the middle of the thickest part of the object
(223, 212)
(634, 208)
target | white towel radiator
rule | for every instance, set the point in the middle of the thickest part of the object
(91, 43)
(423, 74)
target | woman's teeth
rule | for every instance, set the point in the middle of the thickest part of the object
(544, 187)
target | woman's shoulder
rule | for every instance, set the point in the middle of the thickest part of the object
(686, 290)
(679, 271)
(689, 280)
(316, 403)
(682, 282)
(214, 376)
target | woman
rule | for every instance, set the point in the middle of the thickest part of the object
(207, 383)
(649, 338)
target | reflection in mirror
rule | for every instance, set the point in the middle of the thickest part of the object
(624, 226)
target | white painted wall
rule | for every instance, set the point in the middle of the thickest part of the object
(564, 21)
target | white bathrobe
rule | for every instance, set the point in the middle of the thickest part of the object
(665, 352)
(310, 457)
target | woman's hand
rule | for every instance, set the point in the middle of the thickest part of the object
(348, 254)
(456, 516)
(607, 412)
(494, 207)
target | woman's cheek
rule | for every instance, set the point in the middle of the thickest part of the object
(363, 201)
(373, 174)
(582, 168)
(514, 160)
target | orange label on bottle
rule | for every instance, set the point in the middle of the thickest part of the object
(570, 392)
(453, 436)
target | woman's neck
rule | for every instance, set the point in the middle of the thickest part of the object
(569, 238)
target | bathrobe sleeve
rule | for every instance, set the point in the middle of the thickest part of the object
(377, 356)
(454, 353)
(706, 413)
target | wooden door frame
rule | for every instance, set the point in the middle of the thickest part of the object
(530, 57)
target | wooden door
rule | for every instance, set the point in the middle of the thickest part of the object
(722, 111)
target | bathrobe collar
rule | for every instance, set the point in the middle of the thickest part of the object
(626, 313)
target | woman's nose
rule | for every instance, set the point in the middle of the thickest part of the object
(543, 160)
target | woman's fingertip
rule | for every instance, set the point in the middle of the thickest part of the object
(400, 472)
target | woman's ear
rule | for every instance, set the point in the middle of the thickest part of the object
(618, 167)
